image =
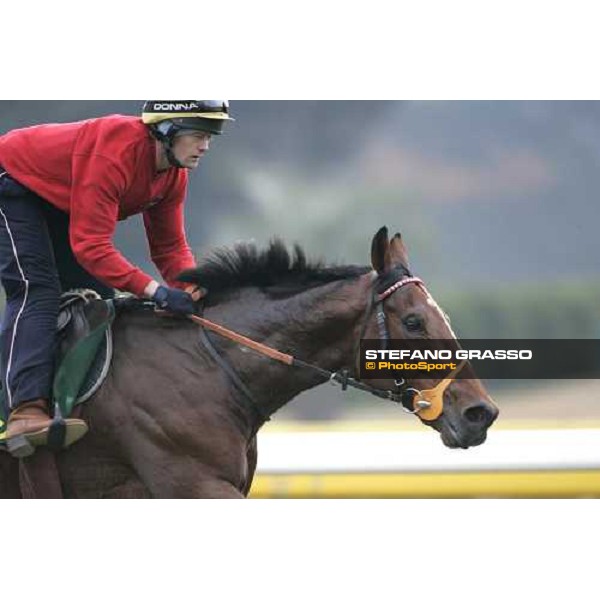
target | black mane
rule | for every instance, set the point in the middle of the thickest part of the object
(274, 269)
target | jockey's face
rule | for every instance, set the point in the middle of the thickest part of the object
(190, 147)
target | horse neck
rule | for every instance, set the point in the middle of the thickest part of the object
(320, 326)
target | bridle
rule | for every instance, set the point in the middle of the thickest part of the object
(428, 404)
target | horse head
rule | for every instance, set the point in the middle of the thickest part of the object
(465, 410)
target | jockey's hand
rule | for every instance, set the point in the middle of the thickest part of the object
(174, 300)
(196, 292)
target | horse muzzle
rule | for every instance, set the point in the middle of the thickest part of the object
(466, 426)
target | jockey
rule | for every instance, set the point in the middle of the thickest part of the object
(63, 187)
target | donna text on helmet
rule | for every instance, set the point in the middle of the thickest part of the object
(200, 115)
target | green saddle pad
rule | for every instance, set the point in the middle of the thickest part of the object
(85, 351)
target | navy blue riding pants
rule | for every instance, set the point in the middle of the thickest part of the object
(36, 265)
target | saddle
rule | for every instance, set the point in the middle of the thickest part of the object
(84, 351)
(84, 348)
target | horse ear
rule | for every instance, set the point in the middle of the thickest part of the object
(381, 258)
(398, 251)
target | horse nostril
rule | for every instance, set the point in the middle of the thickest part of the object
(480, 415)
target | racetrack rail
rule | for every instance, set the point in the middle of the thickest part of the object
(366, 463)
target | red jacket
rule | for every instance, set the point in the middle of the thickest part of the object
(101, 171)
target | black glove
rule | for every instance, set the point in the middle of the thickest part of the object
(173, 300)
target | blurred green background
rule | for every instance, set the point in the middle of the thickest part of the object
(497, 201)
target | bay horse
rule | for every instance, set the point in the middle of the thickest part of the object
(169, 422)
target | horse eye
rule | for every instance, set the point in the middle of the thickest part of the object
(413, 323)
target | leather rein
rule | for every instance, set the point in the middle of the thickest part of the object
(427, 403)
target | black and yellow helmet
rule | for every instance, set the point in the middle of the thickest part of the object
(167, 118)
(171, 116)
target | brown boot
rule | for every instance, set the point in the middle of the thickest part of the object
(29, 425)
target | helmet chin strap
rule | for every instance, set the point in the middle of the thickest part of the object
(168, 147)
(167, 144)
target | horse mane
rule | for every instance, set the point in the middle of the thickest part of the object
(275, 270)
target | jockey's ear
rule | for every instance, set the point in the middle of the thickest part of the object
(398, 251)
(381, 258)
